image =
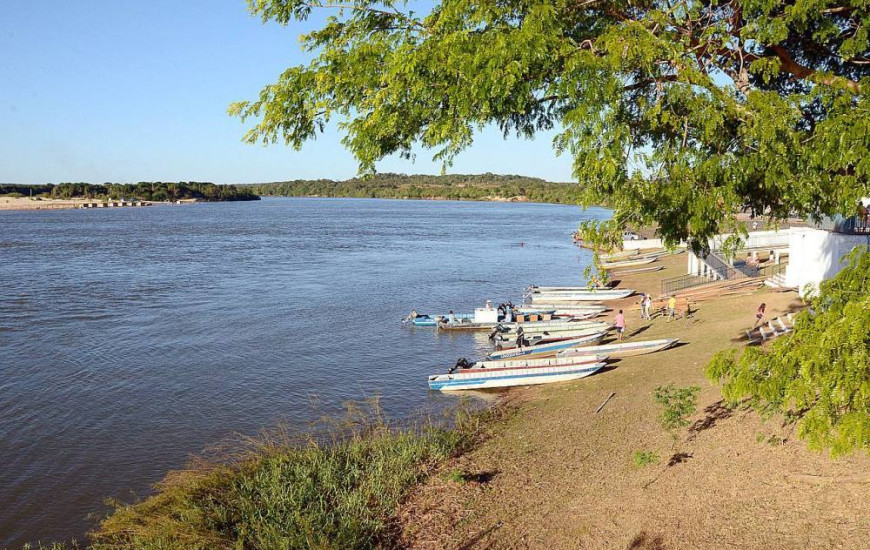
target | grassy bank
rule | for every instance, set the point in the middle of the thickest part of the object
(293, 492)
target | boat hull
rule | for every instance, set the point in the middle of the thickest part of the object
(626, 349)
(628, 263)
(579, 296)
(512, 377)
(546, 350)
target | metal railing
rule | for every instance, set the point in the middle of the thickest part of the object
(676, 284)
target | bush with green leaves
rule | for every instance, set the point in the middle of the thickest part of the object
(645, 458)
(678, 404)
(819, 375)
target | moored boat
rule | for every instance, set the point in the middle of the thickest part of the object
(622, 349)
(628, 263)
(579, 295)
(619, 255)
(549, 349)
(483, 378)
(509, 341)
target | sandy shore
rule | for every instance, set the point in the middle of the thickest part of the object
(27, 203)
(556, 475)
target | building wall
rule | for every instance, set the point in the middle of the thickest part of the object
(814, 255)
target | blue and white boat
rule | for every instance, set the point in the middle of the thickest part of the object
(507, 376)
(426, 320)
(549, 349)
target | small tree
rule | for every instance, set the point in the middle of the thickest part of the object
(678, 404)
(818, 375)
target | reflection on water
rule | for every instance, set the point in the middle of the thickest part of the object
(131, 338)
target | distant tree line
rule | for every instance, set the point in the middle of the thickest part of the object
(145, 191)
(479, 187)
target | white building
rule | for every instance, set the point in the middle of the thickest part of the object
(815, 252)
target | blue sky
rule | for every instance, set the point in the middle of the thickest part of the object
(137, 91)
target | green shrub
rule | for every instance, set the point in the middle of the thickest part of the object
(818, 376)
(645, 458)
(678, 404)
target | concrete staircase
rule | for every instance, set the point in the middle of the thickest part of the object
(776, 281)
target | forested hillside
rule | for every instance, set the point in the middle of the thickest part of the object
(480, 187)
(146, 191)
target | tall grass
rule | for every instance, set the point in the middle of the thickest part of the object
(283, 492)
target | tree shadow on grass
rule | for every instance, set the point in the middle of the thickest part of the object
(679, 458)
(481, 477)
(713, 414)
(645, 541)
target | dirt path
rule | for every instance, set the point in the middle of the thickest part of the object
(556, 475)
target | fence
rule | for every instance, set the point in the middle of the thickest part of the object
(676, 284)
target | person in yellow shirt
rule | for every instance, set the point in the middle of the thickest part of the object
(672, 308)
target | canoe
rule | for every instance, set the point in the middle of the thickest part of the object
(579, 308)
(580, 295)
(619, 255)
(536, 362)
(544, 350)
(478, 379)
(628, 263)
(639, 270)
(622, 349)
(466, 325)
(581, 329)
(540, 326)
(661, 253)
(509, 341)
(560, 289)
(566, 315)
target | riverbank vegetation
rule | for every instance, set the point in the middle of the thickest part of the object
(480, 187)
(142, 191)
(338, 490)
(819, 376)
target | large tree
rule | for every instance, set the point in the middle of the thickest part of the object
(675, 112)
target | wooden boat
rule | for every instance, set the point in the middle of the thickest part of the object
(580, 329)
(550, 349)
(579, 295)
(534, 362)
(563, 315)
(622, 349)
(482, 378)
(560, 289)
(619, 255)
(628, 263)
(639, 270)
(579, 308)
(509, 341)
(540, 326)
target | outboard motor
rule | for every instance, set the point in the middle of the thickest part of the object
(463, 363)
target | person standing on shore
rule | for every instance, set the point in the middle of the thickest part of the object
(759, 314)
(672, 308)
(645, 304)
(620, 325)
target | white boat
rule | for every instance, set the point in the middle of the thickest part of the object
(638, 270)
(628, 263)
(508, 341)
(477, 379)
(536, 362)
(619, 255)
(568, 309)
(579, 295)
(541, 326)
(559, 289)
(622, 349)
(549, 349)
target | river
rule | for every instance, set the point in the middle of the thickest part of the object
(134, 338)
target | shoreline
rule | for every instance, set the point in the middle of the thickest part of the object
(553, 473)
(561, 475)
